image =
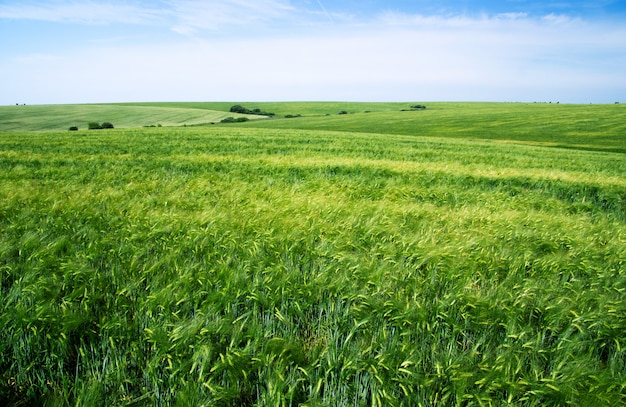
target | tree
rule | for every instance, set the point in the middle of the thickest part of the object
(107, 125)
(238, 109)
(94, 126)
(242, 110)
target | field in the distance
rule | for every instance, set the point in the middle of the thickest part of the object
(62, 117)
(591, 127)
(238, 265)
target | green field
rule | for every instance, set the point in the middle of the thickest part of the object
(466, 254)
(591, 127)
(62, 117)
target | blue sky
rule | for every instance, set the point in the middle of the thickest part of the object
(89, 51)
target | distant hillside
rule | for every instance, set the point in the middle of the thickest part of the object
(61, 117)
(587, 127)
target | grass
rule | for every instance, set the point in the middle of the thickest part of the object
(62, 117)
(229, 265)
(589, 127)
(592, 127)
(285, 108)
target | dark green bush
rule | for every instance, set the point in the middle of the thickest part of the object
(233, 120)
(242, 110)
(73, 128)
(238, 109)
(94, 126)
(107, 125)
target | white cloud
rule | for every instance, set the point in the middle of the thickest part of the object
(182, 16)
(393, 57)
(192, 16)
(82, 12)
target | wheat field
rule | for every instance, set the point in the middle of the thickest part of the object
(227, 265)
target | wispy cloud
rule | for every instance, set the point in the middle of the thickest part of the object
(281, 49)
(194, 16)
(83, 12)
(188, 17)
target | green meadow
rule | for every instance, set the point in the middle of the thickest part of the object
(62, 117)
(591, 127)
(468, 254)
